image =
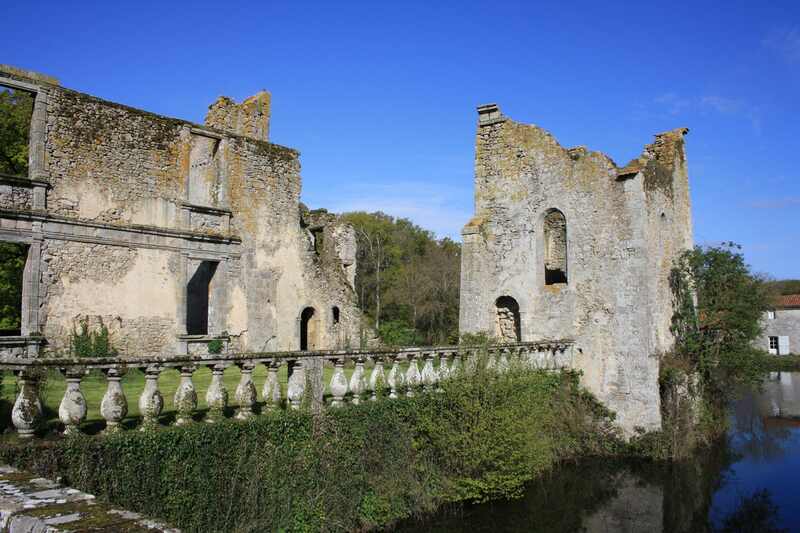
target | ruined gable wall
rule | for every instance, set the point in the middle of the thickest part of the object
(611, 305)
(136, 201)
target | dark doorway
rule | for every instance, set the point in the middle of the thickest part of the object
(308, 329)
(12, 267)
(507, 321)
(198, 298)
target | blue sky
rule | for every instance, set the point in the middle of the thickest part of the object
(380, 97)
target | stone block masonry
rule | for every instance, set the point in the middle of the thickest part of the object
(169, 234)
(567, 245)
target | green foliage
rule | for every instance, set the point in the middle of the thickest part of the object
(481, 338)
(404, 274)
(783, 287)
(719, 305)
(16, 108)
(215, 346)
(12, 265)
(345, 469)
(782, 363)
(86, 343)
(398, 333)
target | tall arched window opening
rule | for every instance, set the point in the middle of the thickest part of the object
(507, 325)
(555, 248)
(309, 332)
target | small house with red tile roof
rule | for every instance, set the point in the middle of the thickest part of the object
(781, 334)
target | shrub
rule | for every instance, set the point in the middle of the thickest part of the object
(215, 346)
(356, 467)
(86, 343)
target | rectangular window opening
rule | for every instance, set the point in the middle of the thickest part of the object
(198, 298)
(13, 258)
(16, 110)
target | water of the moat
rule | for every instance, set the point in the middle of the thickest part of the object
(750, 482)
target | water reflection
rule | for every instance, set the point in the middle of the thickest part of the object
(746, 483)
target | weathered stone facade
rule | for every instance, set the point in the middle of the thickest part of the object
(171, 233)
(583, 249)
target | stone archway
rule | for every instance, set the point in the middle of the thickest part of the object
(507, 322)
(309, 329)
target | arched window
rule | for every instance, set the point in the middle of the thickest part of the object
(507, 321)
(555, 247)
(335, 313)
(309, 334)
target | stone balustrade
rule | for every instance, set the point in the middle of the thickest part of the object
(373, 375)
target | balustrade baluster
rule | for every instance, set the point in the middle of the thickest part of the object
(455, 365)
(357, 384)
(377, 378)
(151, 402)
(217, 394)
(438, 371)
(444, 368)
(338, 384)
(245, 392)
(297, 385)
(428, 375)
(395, 378)
(114, 406)
(502, 363)
(413, 376)
(27, 410)
(185, 396)
(72, 409)
(272, 387)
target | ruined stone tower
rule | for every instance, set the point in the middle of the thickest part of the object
(566, 245)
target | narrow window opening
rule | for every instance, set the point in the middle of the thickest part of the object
(555, 248)
(13, 257)
(335, 312)
(16, 110)
(308, 329)
(198, 298)
(507, 323)
(319, 240)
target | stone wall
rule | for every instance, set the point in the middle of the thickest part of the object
(122, 206)
(624, 227)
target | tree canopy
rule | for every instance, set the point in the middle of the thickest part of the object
(407, 280)
(16, 108)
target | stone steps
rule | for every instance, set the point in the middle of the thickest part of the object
(30, 504)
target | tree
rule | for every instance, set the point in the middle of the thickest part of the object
(12, 264)
(406, 279)
(719, 305)
(16, 108)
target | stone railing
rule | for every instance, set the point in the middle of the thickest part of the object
(373, 374)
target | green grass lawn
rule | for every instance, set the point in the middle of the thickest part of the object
(94, 385)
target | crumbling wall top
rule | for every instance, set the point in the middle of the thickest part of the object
(249, 119)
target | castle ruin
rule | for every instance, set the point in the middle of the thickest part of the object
(566, 245)
(169, 233)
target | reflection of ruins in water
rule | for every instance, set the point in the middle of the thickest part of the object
(596, 495)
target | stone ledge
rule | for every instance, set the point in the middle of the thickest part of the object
(31, 504)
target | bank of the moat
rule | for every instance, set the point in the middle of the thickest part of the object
(745, 482)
